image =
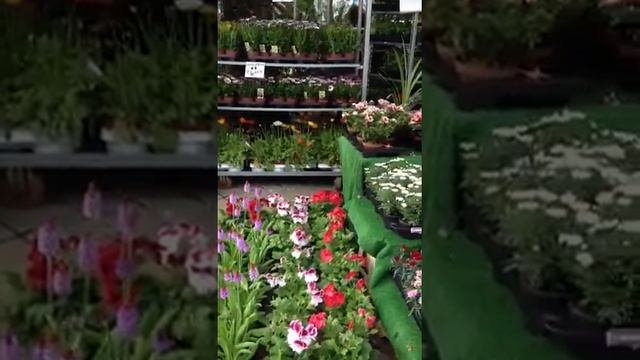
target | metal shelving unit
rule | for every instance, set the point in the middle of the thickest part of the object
(363, 65)
(108, 161)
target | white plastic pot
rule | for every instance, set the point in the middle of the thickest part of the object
(48, 146)
(233, 169)
(256, 168)
(324, 166)
(117, 147)
(336, 168)
(223, 166)
(193, 142)
(279, 167)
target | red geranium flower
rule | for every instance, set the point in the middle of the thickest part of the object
(325, 255)
(337, 213)
(350, 325)
(319, 320)
(36, 269)
(350, 275)
(371, 321)
(335, 198)
(332, 297)
(360, 284)
(362, 312)
(416, 255)
(358, 258)
(328, 236)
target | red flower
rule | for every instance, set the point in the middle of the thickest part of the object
(350, 275)
(360, 284)
(319, 320)
(350, 325)
(371, 321)
(337, 213)
(335, 198)
(335, 225)
(327, 196)
(358, 258)
(325, 255)
(36, 269)
(108, 256)
(332, 297)
(362, 312)
(328, 236)
(416, 255)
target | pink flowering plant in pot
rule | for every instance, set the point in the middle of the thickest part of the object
(88, 297)
(300, 257)
(407, 270)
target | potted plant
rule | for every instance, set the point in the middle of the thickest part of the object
(346, 92)
(253, 36)
(326, 145)
(187, 105)
(249, 91)
(227, 40)
(284, 92)
(51, 94)
(494, 40)
(226, 89)
(341, 42)
(232, 150)
(261, 153)
(301, 149)
(131, 82)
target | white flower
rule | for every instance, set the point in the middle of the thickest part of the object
(587, 217)
(283, 208)
(275, 280)
(557, 213)
(581, 174)
(279, 123)
(490, 175)
(199, 265)
(585, 259)
(605, 198)
(491, 190)
(467, 146)
(299, 238)
(310, 275)
(625, 201)
(296, 252)
(528, 205)
(630, 189)
(570, 239)
(630, 226)
(522, 194)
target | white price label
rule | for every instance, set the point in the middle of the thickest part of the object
(410, 6)
(416, 230)
(254, 70)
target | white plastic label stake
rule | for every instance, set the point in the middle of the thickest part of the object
(416, 230)
(254, 70)
(624, 337)
(410, 6)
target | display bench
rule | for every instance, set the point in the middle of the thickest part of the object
(469, 314)
(381, 244)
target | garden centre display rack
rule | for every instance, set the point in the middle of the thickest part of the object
(364, 66)
(108, 161)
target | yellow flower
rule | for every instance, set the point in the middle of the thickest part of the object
(312, 125)
(221, 121)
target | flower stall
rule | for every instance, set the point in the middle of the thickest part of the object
(291, 282)
(114, 294)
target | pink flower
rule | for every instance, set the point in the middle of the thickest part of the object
(128, 215)
(416, 118)
(412, 293)
(92, 203)
(299, 216)
(309, 275)
(283, 208)
(299, 238)
(315, 293)
(299, 337)
(274, 199)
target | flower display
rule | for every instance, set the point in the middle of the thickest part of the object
(303, 279)
(565, 196)
(407, 270)
(377, 123)
(90, 284)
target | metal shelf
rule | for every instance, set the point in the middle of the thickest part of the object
(273, 109)
(107, 161)
(295, 65)
(279, 174)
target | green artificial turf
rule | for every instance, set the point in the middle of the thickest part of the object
(470, 316)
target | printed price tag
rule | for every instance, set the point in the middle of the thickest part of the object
(254, 70)
(247, 46)
(410, 6)
(260, 93)
(294, 49)
(262, 48)
(624, 337)
(274, 49)
(416, 230)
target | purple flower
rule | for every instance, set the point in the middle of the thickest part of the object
(10, 347)
(247, 187)
(257, 225)
(128, 215)
(242, 245)
(237, 211)
(92, 203)
(232, 198)
(253, 272)
(126, 321)
(257, 191)
(162, 343)
(220, 247)
(48, 239)
(237, 277)
(87, 254)
(245, 203)
(221, 234)
(224, 293)
(45, 352)
(228, 276)
(125, 268)
(61, 282)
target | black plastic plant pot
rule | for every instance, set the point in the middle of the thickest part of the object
(540, 306)
(407, 231)
(587, 342)
(415, 316)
